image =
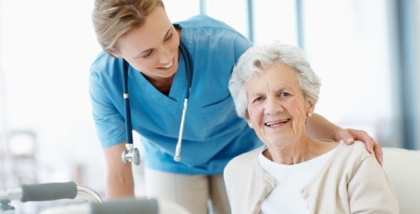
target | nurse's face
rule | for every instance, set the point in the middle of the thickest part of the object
(152, 48)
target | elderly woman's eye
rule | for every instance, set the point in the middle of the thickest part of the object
(284, 94)
(258, 99)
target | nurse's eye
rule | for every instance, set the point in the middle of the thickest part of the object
(168, 37)
(148, 53)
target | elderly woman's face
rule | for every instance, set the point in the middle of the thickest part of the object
(277, 109)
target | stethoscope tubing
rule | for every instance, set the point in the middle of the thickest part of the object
(127, 109)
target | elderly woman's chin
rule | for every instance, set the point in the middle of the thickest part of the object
(283, 138)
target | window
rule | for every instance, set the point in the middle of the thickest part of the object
(348, 44)
(232, 12)
(275, 19)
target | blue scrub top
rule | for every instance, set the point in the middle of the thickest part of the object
(213, 133)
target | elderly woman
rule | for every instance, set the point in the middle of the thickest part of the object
(275, 91)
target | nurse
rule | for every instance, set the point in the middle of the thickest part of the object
(140, 33)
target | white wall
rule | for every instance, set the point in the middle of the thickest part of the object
(47, 46)
(417, 74)
(349, 47)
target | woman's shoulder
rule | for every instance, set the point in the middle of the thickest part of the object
(358, 146)
(102, 61)
(244, 159)
(106, 66)
(206, 23)
(353, 152)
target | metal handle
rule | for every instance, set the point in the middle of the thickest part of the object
(48, 192)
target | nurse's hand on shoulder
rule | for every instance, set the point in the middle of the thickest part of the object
(350, 135)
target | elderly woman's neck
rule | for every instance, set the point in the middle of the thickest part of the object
(299, 151)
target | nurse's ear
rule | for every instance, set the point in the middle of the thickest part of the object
(116, 54)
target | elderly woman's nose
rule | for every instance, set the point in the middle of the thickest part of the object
(273, 105)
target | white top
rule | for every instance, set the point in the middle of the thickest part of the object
(352, 181)
(286, 197)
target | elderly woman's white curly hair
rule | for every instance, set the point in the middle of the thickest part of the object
(259, 57)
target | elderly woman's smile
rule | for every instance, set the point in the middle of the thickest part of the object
(276, 123)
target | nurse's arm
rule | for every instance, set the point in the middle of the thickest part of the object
(320, 128)
(120, 182)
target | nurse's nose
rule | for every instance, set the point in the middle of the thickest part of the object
(165, 56)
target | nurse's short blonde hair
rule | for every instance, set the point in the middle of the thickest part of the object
(113, 18)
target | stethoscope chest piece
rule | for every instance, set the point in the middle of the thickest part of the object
(131, 154)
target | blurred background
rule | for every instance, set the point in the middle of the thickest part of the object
(365, 51)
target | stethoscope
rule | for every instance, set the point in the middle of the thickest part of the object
(131, 154)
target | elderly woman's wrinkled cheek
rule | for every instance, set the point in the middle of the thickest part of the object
(256, 116)
(299, 118)
(260, 131)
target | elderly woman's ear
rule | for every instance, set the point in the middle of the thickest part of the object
(247, 119)
(310, 107)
